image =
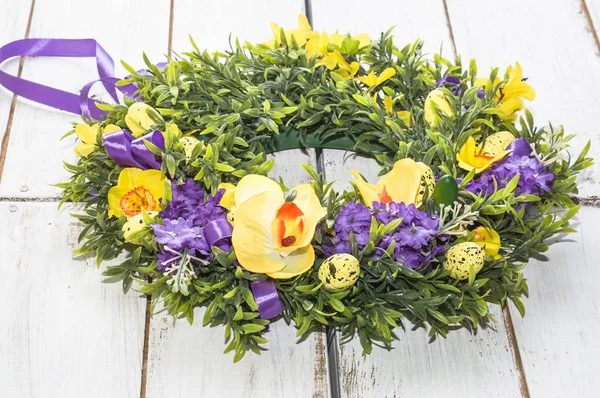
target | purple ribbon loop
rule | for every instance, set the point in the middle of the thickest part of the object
(58, 48)
(267, 298)
(217, 233)
(126, 150)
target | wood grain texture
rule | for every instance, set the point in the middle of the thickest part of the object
(464, 364)
(63, 332)
(13, 25)
(124, 29)
(188, 361)
(558, 336)
(553, 44)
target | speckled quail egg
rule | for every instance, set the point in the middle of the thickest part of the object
(231, 215)
(339, 271)
(496, 143)
(426, 185)
(135, 224)
(460, 257)
(189, 143)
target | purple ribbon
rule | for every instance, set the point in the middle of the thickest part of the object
(217, 233)
(126, 150)
(267, 298)
(58, 48)
(59, 99)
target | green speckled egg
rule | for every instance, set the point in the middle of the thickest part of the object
(463, 255)
(133, 225)
(497, 143)
(189, 143)
(427, 183)
(339, 271)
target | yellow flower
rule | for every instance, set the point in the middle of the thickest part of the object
(510, 94)
(489, 239)
(270, 235)
(136, 190)
(228, 199)
(373, 80)
(335, 59)
(301, 35)
(401, 185)
(87, 134)
(389, 109)
(471, 156)
(437, 97)
(137, 119)
(317, 45)
(363, 39)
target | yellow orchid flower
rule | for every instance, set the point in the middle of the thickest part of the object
(272, 236)
(438, 97)
(510, 94)
(489, 239)
(373, 80)
(403, 184)
(87, 134)
(388, 103)
(137, 119)
(136, 190)
(301, 35)
(471, 156)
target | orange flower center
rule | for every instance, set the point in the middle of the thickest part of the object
(478, 235)
(383, 196)
(137, 199)
(481, 159)
(288, 225)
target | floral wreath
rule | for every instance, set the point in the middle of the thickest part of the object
(174, 180)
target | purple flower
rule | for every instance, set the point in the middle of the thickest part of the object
(454, 83)
(186, 197)
(179, 234)
(413, 237)
(534, 177)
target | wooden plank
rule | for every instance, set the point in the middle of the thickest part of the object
(555, 338)
(463, 364)
(184, 359)
(558, 336)
(559, 56)
(63, 332)
(13, 24)
(124, 29)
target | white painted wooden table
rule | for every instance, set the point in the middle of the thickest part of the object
(66, 333)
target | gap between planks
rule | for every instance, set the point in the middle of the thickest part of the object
(145, 353)
(13, 104)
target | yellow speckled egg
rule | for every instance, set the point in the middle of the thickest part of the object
(339, 271)
(189, 143)
(463, 255)
(231, 215)
(133, 225)
(427, 183)
(497, 143)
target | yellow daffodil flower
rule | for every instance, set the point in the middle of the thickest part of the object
(301, 35)
(510, 94)
(438, 98)
(273, 236)
(489, 239)
(137, 119)
(363, 39)
(335, 59)
(389, 110)
(136, 190)
(401, 185)
(87, 134)
(373, 80)
(471, 156)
